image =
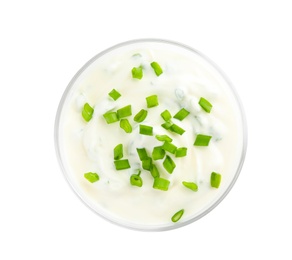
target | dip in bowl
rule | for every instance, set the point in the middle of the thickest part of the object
(150, 134)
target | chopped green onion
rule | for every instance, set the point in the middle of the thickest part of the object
(152, 101)
(202, 140)
(122, 164)
(190, 185)
(146, 130)
(167, 125)
(124, 111)
(158, 153)
(161, 184)
(140, 117)
(169, 164)
(142, 153)
(114, 94)
(137, 72)
(147, 164)
(157, 69)
(205, 104)
(215, 179)
(136, 180)
(181, 152)
(125, 125)
(154, 171)
(91, 176)
(176, 129)
(87, 112)
(166, 115)
(110, 117)
(169, 147)
(182, 114)
(177, 216)
(163, 138)
(118, 152)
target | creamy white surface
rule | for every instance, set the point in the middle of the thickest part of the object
(89, 146)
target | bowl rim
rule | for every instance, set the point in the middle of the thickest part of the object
(231, 88)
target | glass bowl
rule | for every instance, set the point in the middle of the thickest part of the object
(83, 147)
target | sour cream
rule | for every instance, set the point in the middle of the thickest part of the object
(88, 146)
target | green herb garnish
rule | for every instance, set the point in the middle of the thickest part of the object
(125, 125)
(146, 130)
(163, 138)
(161, 184)
(181, 152)
(158, 153)
(140, 116)
(87, 112)
(110, 117)
(190, 185)
(118, 152)
(176, 129)
(169, 164)
(166, 115)
(169, 147)
(156, 67)
(177, 216)
(136, 180)
(91, 176)
(122, 164)
(142, 153)
(152, 101)
(114, 94)
(205, 104)
(124, 111)
(137, 72)
(215, 180)
(202, 140)
(182, 114)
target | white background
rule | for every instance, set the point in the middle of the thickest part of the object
(44, 43)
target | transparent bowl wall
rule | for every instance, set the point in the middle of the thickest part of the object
(79, 192)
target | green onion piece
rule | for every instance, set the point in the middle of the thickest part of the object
(157, 69)
(91, 176)
(118, 152)
(169, 164)
(177, 216)
(136, 180)
(190, 185)
(137, 72)
(169, 147)
(166, 115)
(202, 140)
(167, 125)
(163, 138)
(125, 125)
(142, 153)
(122, 164)
(87, 112)
(152, 101)
(161, 184)
(154, 171)
(205, 104)
(124, 111)
(176, 129)
(140, 117)
(158, 153)
(147, 164)
(146, 130)
(114, 94)
(181, 152)
(182, 114)
(110, 117)
(215, 179)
